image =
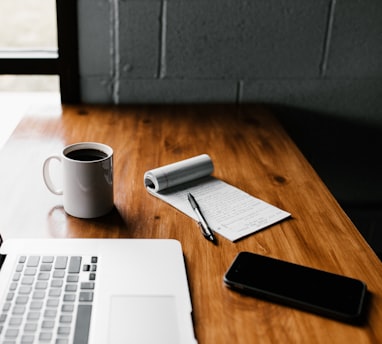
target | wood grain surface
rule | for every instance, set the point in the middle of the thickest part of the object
(250, 150)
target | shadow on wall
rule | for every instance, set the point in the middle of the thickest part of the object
(347, 154)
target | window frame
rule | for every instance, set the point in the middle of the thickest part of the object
(62, 62)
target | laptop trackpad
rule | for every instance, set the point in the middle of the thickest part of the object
(143, 319)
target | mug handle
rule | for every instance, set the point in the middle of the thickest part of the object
(46, 174)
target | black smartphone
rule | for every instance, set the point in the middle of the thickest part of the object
(313, 290)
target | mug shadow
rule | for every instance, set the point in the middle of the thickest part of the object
(62, 225)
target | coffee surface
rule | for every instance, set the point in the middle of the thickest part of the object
(86, 154)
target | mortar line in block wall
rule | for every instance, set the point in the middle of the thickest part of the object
(328, 38)
(115, 51)
(162, 40)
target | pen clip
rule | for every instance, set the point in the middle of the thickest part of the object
(202, 229)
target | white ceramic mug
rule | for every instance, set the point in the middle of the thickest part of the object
(87, 173)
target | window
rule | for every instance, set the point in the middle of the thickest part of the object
(58, 56)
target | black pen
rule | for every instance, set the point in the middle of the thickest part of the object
(207, 232)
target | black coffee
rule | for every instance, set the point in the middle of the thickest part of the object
(86, 154)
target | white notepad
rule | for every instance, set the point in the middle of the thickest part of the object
(228, 210)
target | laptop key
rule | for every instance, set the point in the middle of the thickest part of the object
(18, 310)
(81, 332)
(22, 259)
(16, 276)
(36, 305)
(86, 296)
(74, 265)
(22, 300)
(71, 288)
(56, 283)
(15, 321)
(64, 331)
(38, 295)
(11, 333)
(25, 290)
(46, 267)
(27, 339)
(55, 292)
(72, 278)
(61, 262)
(33, 261)
(41, 285)
(59, 273)
(33, 316)
(6, 306)
(30, 271)
(52, 303)
(67, 308)
(47, 259)
(66, 319)
(13, 286)
(47, 324)
(30, 327)
(69, 297)
(50, 313)
(62, 341)
(27, 280)
(87, 285)
(10, 296)
(43, 276)
(45, 336)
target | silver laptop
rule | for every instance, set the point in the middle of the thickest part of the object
(94, 291)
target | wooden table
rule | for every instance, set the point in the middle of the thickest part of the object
(251, 151)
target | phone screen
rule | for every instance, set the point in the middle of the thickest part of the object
(310, 289)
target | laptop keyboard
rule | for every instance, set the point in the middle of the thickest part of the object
(49, 300)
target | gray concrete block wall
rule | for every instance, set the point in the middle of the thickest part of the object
(323, 55)
(356, 40)
(239, 40)
(94, 39)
